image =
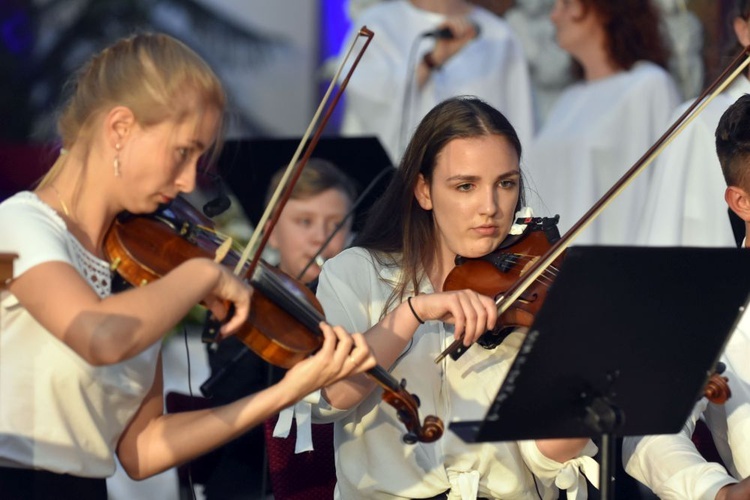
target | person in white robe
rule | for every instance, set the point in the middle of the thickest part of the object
(684, 203)
(403, 73)
(603, 124)
(670, 464)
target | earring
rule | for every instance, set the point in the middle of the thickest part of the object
(117, 160)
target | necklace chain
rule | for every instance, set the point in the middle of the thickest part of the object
(64, 206)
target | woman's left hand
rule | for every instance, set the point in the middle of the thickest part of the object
(472, 313)
(340, 356)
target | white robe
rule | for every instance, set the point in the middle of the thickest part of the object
(685, 204)
(595, 133)
(491, 67)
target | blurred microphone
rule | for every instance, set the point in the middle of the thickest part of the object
(446, 34)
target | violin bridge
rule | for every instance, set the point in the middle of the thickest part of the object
(115, 264)
(223, 250)
(528, 264)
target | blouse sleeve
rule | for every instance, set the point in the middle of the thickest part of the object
(344, 302)
(344, 291)
(27, 231)
(737, 407)
(671, 465)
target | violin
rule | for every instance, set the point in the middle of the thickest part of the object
(717, 388)
(494, 273)
(283, 325)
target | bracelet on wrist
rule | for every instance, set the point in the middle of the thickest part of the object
(421, 321)
(430, 62)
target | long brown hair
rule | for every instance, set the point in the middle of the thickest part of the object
(398, 231)
(633, 32)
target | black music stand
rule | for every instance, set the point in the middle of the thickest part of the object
(622, 346)
(247, 165)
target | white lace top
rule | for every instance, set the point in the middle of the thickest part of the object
(57, 412)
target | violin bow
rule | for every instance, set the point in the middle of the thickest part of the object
(395, 393)
(294, 169)
(503, 302)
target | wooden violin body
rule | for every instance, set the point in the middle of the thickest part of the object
(496, 272)
(142, 249)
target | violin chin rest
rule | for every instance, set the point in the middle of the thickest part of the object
(493, 338)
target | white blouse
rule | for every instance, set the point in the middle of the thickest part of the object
(372, 461)
(57, 412)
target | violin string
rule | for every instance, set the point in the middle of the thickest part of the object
(275, 287)
(548, 274)
(218, 237)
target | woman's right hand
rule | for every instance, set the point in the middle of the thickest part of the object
(470, 312)
(341, 355)
(229, 290)
(463, 31)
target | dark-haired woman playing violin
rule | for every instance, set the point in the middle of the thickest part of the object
(458, 188)
(80, 369)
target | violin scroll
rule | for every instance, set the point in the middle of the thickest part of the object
(407, 408)
(717, 389)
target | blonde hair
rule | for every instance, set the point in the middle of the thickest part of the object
(154, 75)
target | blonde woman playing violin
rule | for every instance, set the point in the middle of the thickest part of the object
(80, 369)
